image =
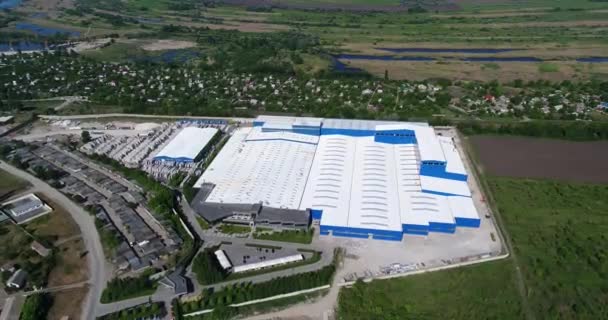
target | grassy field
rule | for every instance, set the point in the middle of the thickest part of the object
(558, 230)
(297, 236)
(10, 183)
(233, 229)
(484, 291)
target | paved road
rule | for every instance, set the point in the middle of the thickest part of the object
(98, 273)
(128, 115)
(55, 289)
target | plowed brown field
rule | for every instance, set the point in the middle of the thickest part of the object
(543, 158)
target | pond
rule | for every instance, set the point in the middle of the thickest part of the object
(340, 66)
(384, 58)
(21, 46)
(593, 59)
(44, 31)
(447, 50)
(9, 4)
(501, 59)
(171, 56)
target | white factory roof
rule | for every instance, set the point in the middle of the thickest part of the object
(454, 164)
(359, 183)
(428, 145)
(329, 186)
(434, 207)
(454, 187)
(374, 198)
(273, 172)
(298, 121)
(256, 134)
(223, 259)
(268, 263)
(463, 207)
(353, 124)
(277, 125)
(187, 144)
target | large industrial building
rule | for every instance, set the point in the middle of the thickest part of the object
(187, 145)
(359, 178)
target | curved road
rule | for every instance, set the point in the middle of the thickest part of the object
(97, 263)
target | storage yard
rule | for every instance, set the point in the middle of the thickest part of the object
(162, 150)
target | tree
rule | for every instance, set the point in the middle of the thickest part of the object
(85, 136)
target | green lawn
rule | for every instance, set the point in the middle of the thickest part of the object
(548, 67)
(233, 229)
(204, 224)
(559, 232)
(297, 236)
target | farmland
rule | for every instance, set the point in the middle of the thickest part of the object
(558, 230)
(561, 35)
(543, 158)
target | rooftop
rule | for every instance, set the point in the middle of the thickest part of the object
(187, 144)
(271, 171)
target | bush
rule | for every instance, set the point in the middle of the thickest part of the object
(36, 306)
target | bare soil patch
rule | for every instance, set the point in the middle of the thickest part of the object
(71, 266)
(543, 158)
(67, 303)
(168, 45)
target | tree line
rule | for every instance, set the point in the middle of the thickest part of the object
(36, 306)
(123, 288)
(206, 267)
(570, 130)
(247, 291)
